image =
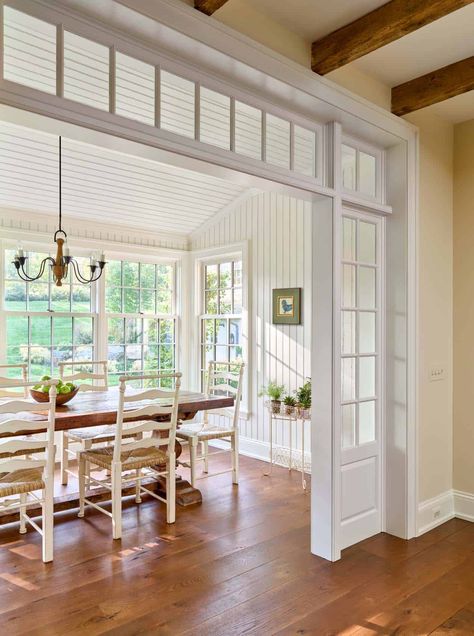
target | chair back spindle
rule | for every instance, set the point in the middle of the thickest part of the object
(8, 385)
(98, 374)
(160, 403)
(11, 423)
(225, 377)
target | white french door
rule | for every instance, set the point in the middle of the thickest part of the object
(361, 376)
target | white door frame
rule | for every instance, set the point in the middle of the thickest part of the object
(310, 93)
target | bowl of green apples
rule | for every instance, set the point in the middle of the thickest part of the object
(65, 391)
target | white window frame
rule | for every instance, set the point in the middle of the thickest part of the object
(236, 251)
(361, 146)
(104, 315)
(131, 253)
(30, 246)
(352, 453)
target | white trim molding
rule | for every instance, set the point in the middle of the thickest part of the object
(463, 505)
(448, 505)
(435, 511)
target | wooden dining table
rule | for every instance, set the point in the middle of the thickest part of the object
(94, 408)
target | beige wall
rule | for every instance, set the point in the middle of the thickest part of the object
(463, 306)
(435, 302)
(243, 17)
(360, 83)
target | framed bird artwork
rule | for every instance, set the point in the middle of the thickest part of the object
(287, 306)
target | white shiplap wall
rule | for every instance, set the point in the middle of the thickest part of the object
(114, 236)
(278, 231)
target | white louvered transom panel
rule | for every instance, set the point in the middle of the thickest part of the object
(105, 77)
(278, 141)
(177, 104)
(134, 89)
(215, 118)
(105, 186)
(86, 71)
(29, 50)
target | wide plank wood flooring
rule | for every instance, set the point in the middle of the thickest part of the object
(238, 564)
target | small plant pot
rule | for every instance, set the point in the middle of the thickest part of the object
(275, 406)
(304, 414)
(289, 410)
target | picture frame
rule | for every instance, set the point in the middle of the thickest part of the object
(287, 306)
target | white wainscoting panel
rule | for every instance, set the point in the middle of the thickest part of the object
(278, 231)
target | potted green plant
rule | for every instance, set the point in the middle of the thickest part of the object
(274, 391)
(290, 404)
(303, 398)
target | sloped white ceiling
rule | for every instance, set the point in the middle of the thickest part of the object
(101, 185)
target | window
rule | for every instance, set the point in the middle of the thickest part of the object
(141, 324)
(46, 324)
(135, 327)
(360, 170)
(221, 320)
(360, 330)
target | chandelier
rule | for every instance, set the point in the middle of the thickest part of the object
(64, 260)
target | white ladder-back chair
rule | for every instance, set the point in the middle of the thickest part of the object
(8, 385)
(222, 378)
(85, 437)
(20, 475)
(139, 458)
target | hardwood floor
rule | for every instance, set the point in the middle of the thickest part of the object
(238, 564)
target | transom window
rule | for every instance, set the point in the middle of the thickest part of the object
(361, 168)
(135, 288)
(147, 92)
(221, 321)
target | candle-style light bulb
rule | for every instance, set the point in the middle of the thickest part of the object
(66, 249)
(20, 251)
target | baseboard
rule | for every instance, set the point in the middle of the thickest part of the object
(259, 450)
(464, 505)
(436, 511)
(248, 447)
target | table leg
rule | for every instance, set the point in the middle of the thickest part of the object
(186, 495)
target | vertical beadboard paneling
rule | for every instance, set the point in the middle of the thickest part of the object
(278, 229)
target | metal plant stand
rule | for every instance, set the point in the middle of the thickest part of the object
(293, 419)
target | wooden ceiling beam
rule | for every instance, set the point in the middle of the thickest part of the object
(434, 87)
(389, 22)
(208, 6)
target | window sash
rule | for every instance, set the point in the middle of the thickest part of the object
(98, 314)
(215, 317)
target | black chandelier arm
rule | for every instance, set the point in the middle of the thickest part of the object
(24, 276)
(93, 277)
